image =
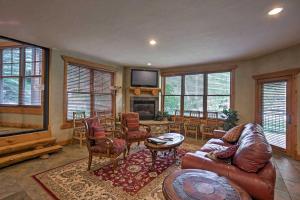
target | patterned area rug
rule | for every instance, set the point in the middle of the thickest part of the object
(131, 180)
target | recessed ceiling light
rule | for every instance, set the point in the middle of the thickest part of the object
(152, 42)
(275, 11)
(149, 64)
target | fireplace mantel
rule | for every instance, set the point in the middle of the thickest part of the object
(139, 90)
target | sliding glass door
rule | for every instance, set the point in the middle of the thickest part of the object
(274, 112)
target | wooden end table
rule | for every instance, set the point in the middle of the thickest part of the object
(196, 184)
(177, 140)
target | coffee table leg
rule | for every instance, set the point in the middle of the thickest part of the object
(175, 153)
(154, 155)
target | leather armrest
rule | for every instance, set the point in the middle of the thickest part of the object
(251, 182)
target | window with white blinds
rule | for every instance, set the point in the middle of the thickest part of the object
(21, 76)
(274, 112)
(88, 90)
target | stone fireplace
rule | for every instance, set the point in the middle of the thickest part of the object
(147, 107)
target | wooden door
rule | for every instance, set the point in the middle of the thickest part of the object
(275, 111)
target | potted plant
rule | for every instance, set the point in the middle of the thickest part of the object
(162, 116)
(230, 119)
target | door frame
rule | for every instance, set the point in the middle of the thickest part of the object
(290, 77)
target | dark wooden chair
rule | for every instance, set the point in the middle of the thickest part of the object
(99, 144)
(132, 129)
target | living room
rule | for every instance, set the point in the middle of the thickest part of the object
(149, 99)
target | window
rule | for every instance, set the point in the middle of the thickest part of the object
(172, 94)
(88, 90)
(193, 92)
(21, 76)
(218, 91)
(205, 92)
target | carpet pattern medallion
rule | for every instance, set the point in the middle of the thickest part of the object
(131, 180)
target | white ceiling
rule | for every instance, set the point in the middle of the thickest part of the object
(187, 31)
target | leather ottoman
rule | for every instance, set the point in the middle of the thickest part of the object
(196, 184)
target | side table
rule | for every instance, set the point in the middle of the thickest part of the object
(196, 184)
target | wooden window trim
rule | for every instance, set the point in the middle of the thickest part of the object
(288, 75)
(230, 69)
(20, 108)
(89, 65)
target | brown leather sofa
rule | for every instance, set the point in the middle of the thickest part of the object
(251, 166)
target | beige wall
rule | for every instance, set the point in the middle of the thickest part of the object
(245, 85)
(127, 84)
(56, 91)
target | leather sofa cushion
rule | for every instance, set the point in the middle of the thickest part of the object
(233, 134)
(254, 151)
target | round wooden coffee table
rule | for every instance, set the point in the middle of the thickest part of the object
(196, 184)
(177, 140)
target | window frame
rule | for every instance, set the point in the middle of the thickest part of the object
(92, 67)
(205, 87)
(22, 108)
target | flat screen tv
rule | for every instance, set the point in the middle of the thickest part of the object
(144, 78)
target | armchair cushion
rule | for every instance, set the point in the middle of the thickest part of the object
(133, 124)
(233, 134)
(117, 147)
(138, 134)
(98, 132)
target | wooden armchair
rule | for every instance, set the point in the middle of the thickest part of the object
(178, 122)
(132, 129)
(211, 124)
(99, 144)
(192, 124)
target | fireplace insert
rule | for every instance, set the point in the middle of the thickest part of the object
(145, 108)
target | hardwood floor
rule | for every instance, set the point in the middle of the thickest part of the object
(17, 180)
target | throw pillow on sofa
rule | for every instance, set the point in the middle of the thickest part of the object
(233, 134)
(226, 153)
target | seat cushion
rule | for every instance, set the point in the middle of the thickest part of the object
(137, 135)
(233, 134)
(212, 147)
(118, 147)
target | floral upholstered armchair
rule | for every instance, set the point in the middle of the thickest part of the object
(99, 144)
(132, 129)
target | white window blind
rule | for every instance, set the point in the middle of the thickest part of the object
(88, 90)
